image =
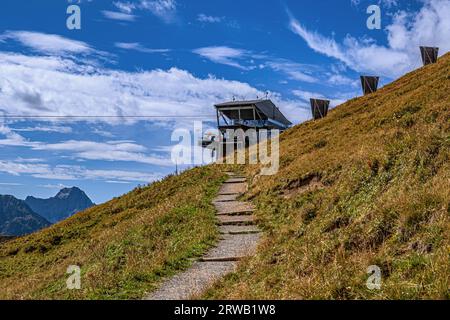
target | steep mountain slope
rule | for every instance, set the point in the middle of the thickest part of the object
(368, 185)
(65, 204)
(16, 218)
(123, 247)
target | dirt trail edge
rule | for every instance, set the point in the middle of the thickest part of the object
(239, 239)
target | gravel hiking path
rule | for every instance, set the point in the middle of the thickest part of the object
(239, 239)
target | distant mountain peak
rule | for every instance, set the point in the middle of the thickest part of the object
(17, 218)
(66, 203)
(70, 192)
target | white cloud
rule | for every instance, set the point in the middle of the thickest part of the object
(126, 151)
(47, 43)
(64, 88)
(117, 182)
(121, 16)
(306, 95)
(47, 63)
(67, 173)
(54, 128)
(341, 80)
(224, 21)
(296, 111)
(209, 19)
(53, 186)
(294, 71)
(246, 60)
(224, 55)
(29, 160)
(127, 7)
(49, 86)
(119, 175)
(17, 168)
(430, 26)
(319, 43)
(59, 90)
(109, 151)
(164, 149)
(11, 138)
(163, 9)
(102, 133)
(138, 47)
(10, 184)
(385, 3)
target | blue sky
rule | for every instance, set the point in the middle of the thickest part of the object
(175, 59)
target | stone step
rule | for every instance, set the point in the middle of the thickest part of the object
(237, 223)
(224, 230)
(234, 208)
(221, 259)
(234, 175)
(233, 189)
(226, 198)
(225, 193)
(237, 213)
(239, 239)
(232, 198)
(236, 180)
(244, 232)
(232, 204)
(227, 220)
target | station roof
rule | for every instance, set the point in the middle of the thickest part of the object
(266, 108)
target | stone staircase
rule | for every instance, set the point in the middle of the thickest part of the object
(239, 239)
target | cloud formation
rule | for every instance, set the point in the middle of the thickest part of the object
(122, 151)
(62, 85)
(430, 27)
(247, 61)
(209, 19)
(55, 86)
(48, 128)
(138, 47)
(67, 172)
(224, 55)
(121, 16)
(163, 9)
(295, 71)
(385, 3)
(47, 43)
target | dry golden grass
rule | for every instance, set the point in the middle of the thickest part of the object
(368, 185)
(124, 247)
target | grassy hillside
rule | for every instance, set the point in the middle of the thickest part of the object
(124, 247)
(368, 185)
